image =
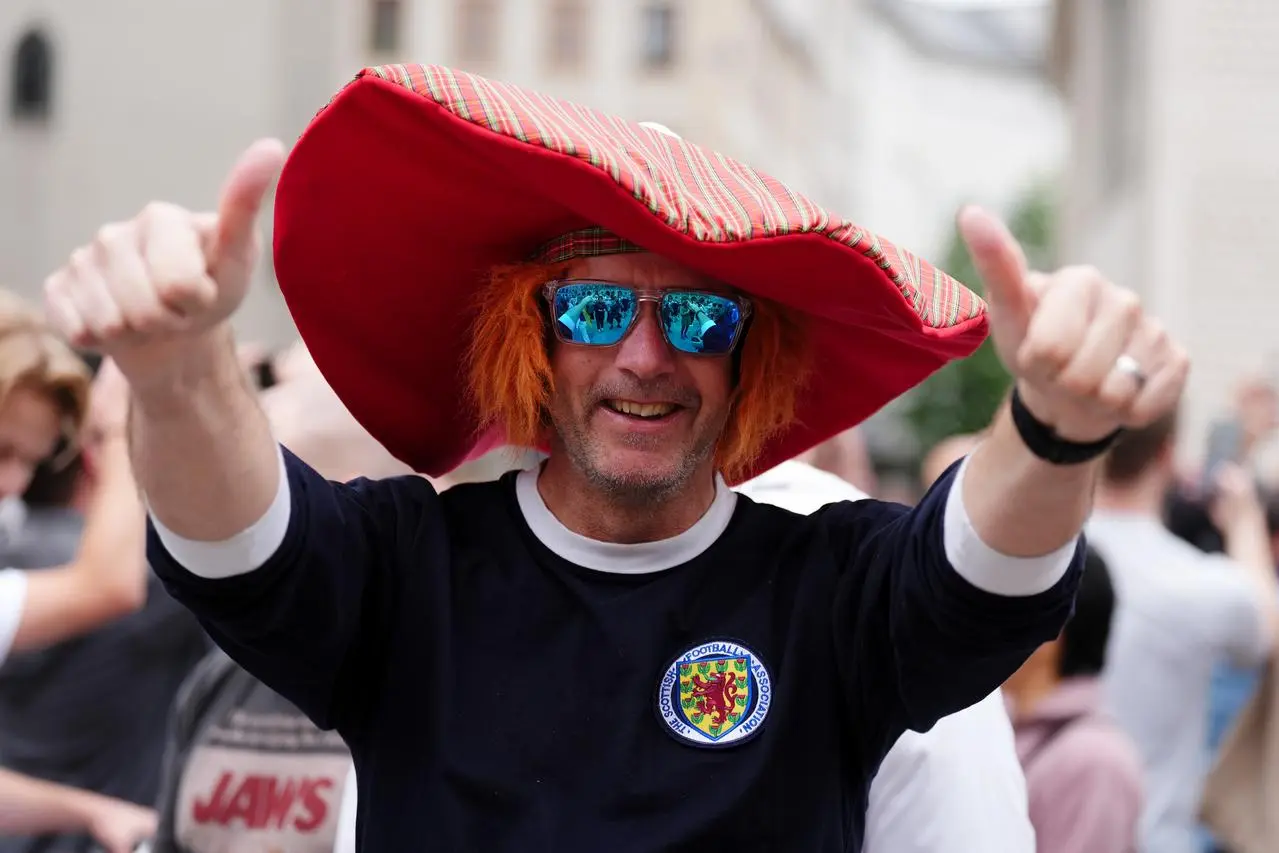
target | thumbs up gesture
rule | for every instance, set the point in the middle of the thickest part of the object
(146, 287)
(1086, 358)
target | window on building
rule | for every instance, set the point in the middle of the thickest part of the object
(659, 35)
(386, 24)
(477, 30)
(566, 44)
(32, 95)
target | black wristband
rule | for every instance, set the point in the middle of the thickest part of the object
(1050, 447)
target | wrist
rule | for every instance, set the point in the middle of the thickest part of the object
(204, 364)
(83, 808)
(1046, 440)
(1064, 428)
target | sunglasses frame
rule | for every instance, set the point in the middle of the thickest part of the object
(646, 294)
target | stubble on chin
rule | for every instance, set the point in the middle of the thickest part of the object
(638, 488)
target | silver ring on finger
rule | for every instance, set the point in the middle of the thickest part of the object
(1128, 365)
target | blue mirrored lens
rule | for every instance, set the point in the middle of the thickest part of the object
(703, 323)
(592, 313)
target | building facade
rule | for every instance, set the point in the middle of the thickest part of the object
(1174, 108)
(891, 112)
(112, 105)
(750, 78)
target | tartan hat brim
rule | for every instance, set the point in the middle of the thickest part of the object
(415, 181)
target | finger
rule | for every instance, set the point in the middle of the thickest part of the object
(92, 298)
(116, 251)
(1163, 389)
(1038, 283)
(61, 310)
(1000, 263)
(241, 200)
(1117, 317)
(206, 229)
(1148, 346)
(176, 264)
(1057, 328)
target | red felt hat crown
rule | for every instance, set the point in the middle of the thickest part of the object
(415, 181)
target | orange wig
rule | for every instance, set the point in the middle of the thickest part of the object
(509, 371)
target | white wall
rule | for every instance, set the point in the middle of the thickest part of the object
(154, 100)
(935, 135)
(1192, 225)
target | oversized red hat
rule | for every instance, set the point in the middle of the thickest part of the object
(414, 181)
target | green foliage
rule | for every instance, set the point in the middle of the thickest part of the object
(963, 396)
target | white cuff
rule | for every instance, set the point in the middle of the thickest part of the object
(13, 601)
(986, 568)
(243, 552)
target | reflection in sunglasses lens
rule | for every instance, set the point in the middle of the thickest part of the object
(703, 323)
(591, 313)
(601, 314)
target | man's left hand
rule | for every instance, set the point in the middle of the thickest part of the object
(1086, 358)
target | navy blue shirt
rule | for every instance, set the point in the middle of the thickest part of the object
(497, 697)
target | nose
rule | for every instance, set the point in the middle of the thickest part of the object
(644, 352)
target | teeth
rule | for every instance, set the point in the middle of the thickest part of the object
(642, 410)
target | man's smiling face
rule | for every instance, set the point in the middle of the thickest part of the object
(639, 419)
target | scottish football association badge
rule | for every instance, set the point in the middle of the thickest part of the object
(715, 694)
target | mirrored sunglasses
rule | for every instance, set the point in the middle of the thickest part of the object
(600, 313)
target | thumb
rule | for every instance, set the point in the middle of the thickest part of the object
(1001, 265)
(241, 200)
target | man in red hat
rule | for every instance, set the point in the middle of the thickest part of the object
(611, 649)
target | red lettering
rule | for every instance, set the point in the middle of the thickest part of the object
(279, 800)
(316, 806)
(244, 804)
(266, 801)
(209, 811)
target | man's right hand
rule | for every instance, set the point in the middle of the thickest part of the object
(145, 290)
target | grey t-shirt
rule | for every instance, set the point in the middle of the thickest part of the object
(91, 712)
(1179, 613)
(246, 771)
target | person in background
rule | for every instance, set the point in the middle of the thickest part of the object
(1180, 613)
(1083, 773)
(301, 405)
(47, 414)
(35, 807)
(1253, 420)
(44, 414)
(944, 454)
(959, 780)
(846, 456)
(89, 712)
(1237, 437)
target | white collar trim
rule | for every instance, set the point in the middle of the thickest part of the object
(617, 558)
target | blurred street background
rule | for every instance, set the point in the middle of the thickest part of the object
(1129, 134)
(1138, 136)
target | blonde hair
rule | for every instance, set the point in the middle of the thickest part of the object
(510, 381)
(32, 356)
